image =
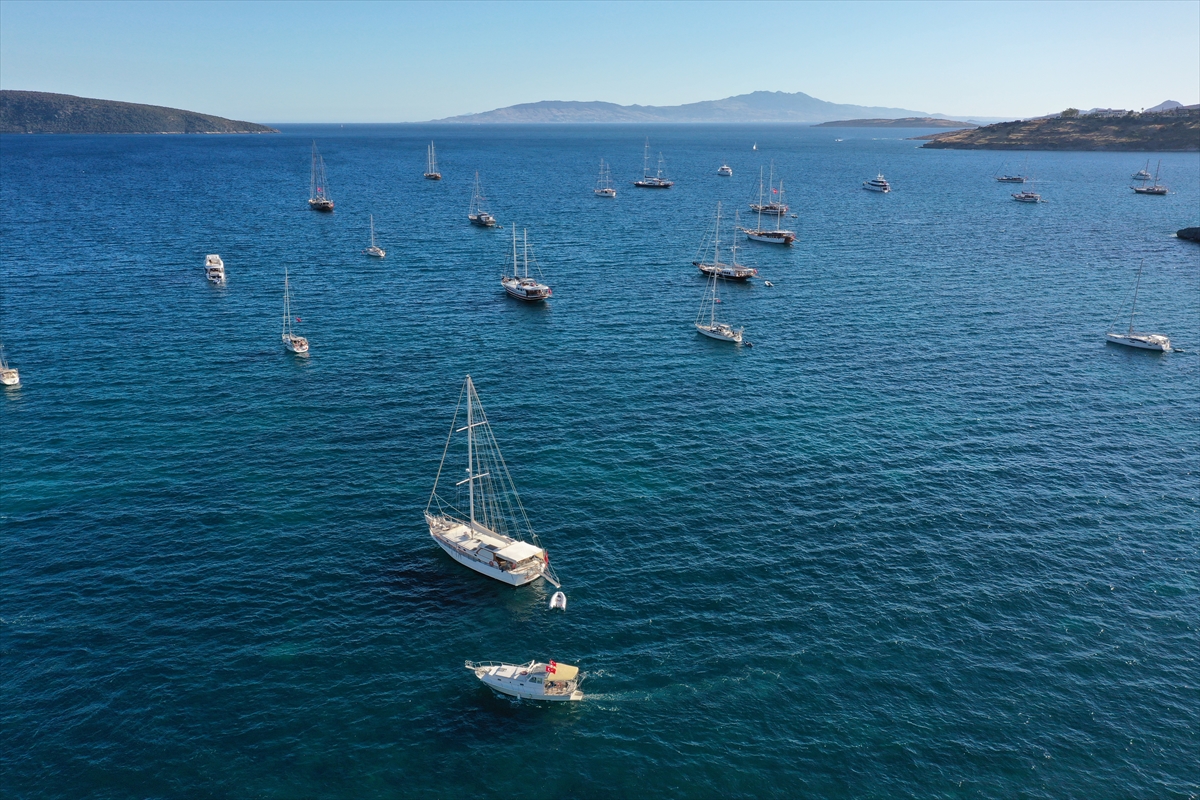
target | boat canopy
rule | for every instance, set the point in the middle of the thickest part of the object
(519, 551)
(562, 672)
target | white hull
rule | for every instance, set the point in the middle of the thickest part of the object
(1142, 341)
(720, 333)
(870, 187)
(606, 192)
(528, 681)
(771, 237)
(512, 579)
(375, 252)
(295, 344)
(10, 377)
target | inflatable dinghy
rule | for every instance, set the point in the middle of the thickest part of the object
(559, 600)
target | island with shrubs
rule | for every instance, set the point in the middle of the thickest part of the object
(1168, 131)
(44, 112)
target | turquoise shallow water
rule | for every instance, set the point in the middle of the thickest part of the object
(929, 537)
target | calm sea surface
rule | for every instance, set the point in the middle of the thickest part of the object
(930, 537)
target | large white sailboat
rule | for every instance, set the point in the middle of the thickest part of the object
(8, 375)
(774, 206)
(716, 268)
(604, 187)
(524, 287)
(1131, 338)
(706, 318)
(760, 234)
(492, 535)
(655, 181)
(318, 189)
(477, 213)
(291, 340)
(374, 250)
(431, 167)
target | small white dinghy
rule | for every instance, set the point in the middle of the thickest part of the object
(559, 600)
(536, 680)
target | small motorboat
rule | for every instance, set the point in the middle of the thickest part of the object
(559, 601)
(767, 283)
(549, 681)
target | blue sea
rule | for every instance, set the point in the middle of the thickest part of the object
(929, 537)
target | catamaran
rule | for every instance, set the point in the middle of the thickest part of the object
(493, 536)
(761, 234)
(8, 375)
(1131, 338)
(476, 213)
(537, 680)
(214, 269)
(521, 286)
(773, 207)
(655, 181)
(293, 342)
(725, 171)
(706, 318)
(716, 268)
(431, 169)
(1156, 187)
(374, 250)
(604, 187)
(318, 192)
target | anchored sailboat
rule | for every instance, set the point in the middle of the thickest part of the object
(8, 375)
(716, 268)
(521, 286)
(476, 213)
(431, 168)
(1131, 338)
(374, 250)
(773, 207)
(494, 536)
(604, 187)
(1156, 187)
(706, 318)
(655, 181)
(293, 342)
(761, 234)
(318, 192)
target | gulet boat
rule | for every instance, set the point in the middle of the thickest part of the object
(477, 213)
(492, 535)
(524, 287)
(431, 167)
(318, 191)
(655, 181)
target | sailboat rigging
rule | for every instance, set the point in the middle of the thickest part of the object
(604, 187)
(374, 250)
(523, 287)
(318, 190)
(716, 268)
(431, 167)
(706, 318)
(1156, 188)
(1131, 338)
(655, 181)
(494, 536)
(477, 213)
(291, 341)
(761, 234)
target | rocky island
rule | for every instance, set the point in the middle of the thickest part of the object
(1174, 130)
(43, 112)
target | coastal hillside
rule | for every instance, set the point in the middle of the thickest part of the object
(1175, 130)
(904, 122)
(753, 107)
(43, 112)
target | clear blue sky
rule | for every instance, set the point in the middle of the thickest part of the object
(400, 62)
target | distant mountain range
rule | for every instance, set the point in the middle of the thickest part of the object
(794, 107)
(43, 112)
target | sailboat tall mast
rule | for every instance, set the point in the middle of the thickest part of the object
(646, 160)
(712, 305)
(1136, 287)
(471, 449)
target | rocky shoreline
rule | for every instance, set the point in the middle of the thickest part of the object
(1177, 130)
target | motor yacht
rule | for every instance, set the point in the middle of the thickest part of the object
(549, 681)
(214, 269)
(877, 184)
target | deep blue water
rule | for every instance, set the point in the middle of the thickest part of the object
(930, 537)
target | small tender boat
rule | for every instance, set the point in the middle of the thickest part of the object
(726, 171)
(549, 681)
(523, 287)
(431, 168)
(604, 187)
(214, 269)
(1027, 196)
(477, 213)
(655, 181)
(10, 377)
(1155, 188)
(877, 184)
(318, 194)
(374, 250)
(559, 601)
(291, 341)
(1131, 338)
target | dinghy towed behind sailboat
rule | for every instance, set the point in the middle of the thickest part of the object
(318, 191)
(291, 341)
(494, 536)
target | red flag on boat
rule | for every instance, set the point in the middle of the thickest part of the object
(551, 667)
(297, 319)
(774, 191)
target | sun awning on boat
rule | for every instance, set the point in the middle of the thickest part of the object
(562, 672)
(519, 551)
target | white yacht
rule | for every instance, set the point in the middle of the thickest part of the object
(492, 535)
(374, 250)
(716, 268)
(549, 681)
(655, 181)
(214, 269)
(1131, 338)
(725, 170)
(760, 234)
(877, 184)
(523, 287)
(291, 341)
(8, 375)
(604, 187)
(1027, 196)
(477, 213)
